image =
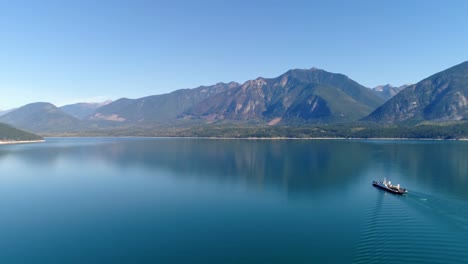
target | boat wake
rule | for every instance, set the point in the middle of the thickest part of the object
(444, 210)
(414, 228)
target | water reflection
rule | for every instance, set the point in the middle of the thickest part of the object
(292, 165)
(295, 166)
(150, 199)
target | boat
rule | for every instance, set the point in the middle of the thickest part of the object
(389, 187)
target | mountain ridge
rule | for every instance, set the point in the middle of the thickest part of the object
(440, 97)
(302, 94)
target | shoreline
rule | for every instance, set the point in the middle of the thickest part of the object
(274, 138)
(331, 138)
(21, 142)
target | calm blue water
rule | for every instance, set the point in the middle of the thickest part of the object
(97, 200)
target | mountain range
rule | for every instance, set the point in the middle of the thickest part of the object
(157, 108)
(297, 97)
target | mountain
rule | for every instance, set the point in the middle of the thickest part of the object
(82, 110)
(298, 95)
(159, 108)
(9, 133)
(440, 97)
(387, 91)
(40, 117)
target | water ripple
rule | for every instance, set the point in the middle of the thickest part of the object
(415, 228)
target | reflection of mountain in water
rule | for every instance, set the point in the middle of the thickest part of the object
(293, 165)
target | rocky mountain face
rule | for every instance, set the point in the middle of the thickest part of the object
(388, 91)
(157, 108)
(82, 110)
(40, 117)
(298, 95)
(440, 97)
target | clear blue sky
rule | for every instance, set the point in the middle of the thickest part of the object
(68, 51)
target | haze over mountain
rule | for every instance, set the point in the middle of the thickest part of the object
(4, 112)
(388, 91)
(82, 110)
(40, 117)
(440, 97)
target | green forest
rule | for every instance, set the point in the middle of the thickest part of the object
(9, 133)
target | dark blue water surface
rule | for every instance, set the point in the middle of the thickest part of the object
(106, 200)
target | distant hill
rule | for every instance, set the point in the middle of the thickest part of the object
(387, 91)
(40, 117)
(9, 133)
(157, 108)
(298, 95)
(440, 97)
(82, 110)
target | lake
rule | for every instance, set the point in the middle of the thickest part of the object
(163, 200)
